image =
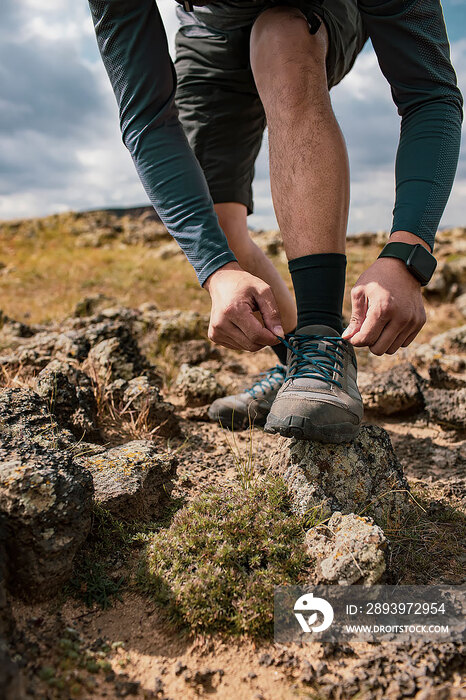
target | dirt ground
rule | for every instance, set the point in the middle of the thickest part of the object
(146, 656)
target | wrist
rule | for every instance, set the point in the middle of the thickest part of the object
(218, 274)
(407, 237)
(418, 259)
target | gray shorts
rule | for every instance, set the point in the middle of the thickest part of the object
(217, 99)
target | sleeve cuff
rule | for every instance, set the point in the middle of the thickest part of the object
(214, 264)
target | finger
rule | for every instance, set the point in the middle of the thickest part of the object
(400, 339)
(390, 339)
(252, 328)
(410, 337)
(269, 311)
(371, 329)
(240, 339)
(358, 313)
(230, 336)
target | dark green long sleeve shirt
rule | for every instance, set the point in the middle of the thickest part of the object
(410, 40)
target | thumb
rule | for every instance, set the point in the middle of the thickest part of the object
(358, 314)
(269, 311)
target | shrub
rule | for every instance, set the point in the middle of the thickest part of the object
(215, 567)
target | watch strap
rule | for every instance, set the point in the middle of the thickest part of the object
(397, 249)
(419, 261)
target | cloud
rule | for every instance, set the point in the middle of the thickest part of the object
(61, 147)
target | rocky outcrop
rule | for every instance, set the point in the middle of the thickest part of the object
(449, 279)
(460, 303)
(363, 476)
(11, 681)
(132, 481)
(193, 352)
(45, 495)
(70, 397)
(447, 407)
(145, 400)
(25, 419)
(348, 550)
(398, 390)
(448, 348)
(197, 386)
(87, 306)
(173, 327)
(118, 358)
(6, 617)
(12, 685)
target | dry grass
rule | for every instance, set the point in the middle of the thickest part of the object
(45, 274)
(428, 546)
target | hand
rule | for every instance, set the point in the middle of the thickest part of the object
(236, 295)
(387, 308)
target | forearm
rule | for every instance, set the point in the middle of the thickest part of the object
(134, 50)
(412, 47)
(425, 168)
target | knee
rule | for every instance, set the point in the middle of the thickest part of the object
(288, 62)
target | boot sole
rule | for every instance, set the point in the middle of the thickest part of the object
(302, 428)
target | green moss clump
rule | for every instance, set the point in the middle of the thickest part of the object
(216, 566)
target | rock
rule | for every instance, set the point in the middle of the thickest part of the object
(38, 352)
(398, 390)
(11, 678)
(89, 305)
(26, 419)
(460, 303)
(452, 343)
(363, 476)
(132, 481)
(45, 505)
(70, 398)
(449, 279)
(197, 386)
(439, 378)
(447, 407)
(145, 400)
(348, 550)
(193, 352)
(71, 344)
(271, 242)
(175, 326)
(115, 359)
(9, 328)
(11, 687)
(115, 391)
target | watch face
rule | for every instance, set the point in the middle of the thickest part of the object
(421, 263)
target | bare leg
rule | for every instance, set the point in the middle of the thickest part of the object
(308, 158)
(233, 220)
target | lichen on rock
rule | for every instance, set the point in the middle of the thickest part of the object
(133, 480)
(363, 476)
(197, 385)
(397, 390)
(348, 549)
(70, 397)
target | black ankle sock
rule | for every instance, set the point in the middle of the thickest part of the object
(319, 285)
(281, 350)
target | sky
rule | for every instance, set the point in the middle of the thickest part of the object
(60, 144)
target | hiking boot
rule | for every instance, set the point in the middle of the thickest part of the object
(252, 405)
(319, 399)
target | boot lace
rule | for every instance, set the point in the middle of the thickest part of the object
(311, 362)
(270, 379)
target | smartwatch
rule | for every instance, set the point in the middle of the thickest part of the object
(419, 261)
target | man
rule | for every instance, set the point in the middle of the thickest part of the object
(242, 63)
